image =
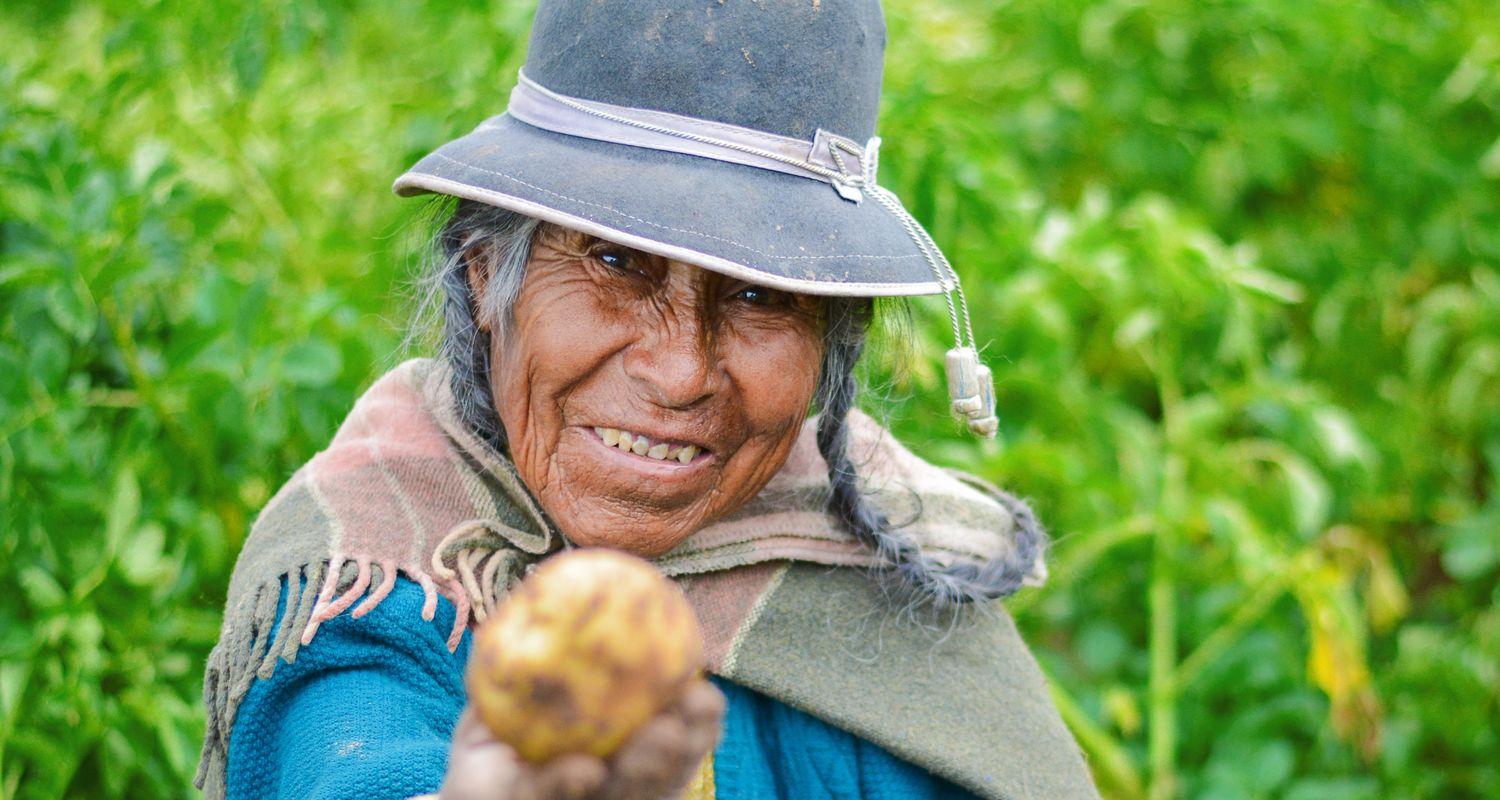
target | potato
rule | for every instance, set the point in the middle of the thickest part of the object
(587, 648)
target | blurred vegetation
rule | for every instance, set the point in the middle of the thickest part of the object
(1238, 264)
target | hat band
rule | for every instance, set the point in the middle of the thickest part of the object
(830, 158)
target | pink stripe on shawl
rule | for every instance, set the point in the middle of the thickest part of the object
(722, 601)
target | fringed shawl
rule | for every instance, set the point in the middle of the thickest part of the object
(785, 598)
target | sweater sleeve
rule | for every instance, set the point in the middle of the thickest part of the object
(365, 711)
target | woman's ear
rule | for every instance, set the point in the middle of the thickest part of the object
(477, 272)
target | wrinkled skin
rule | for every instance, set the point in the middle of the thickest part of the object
(605, 336)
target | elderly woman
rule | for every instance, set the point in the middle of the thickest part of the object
(655, 282)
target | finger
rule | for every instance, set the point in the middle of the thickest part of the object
(661, 757)
(470, 730)
(478, 764)
(575, 776)
(654, 761)
(701, 702)
(702, 711)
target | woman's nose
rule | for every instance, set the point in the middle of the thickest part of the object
(676, 363)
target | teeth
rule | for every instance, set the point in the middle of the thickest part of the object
(641, 446)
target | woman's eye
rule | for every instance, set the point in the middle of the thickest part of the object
(757, 295)
(616, 259)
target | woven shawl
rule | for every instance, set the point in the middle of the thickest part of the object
(785, 597)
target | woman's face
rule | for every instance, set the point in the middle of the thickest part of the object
(645, 398)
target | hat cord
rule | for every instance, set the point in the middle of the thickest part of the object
(971, 387)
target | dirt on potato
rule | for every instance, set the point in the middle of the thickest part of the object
(587, 648)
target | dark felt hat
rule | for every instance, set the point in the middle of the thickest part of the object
(736, 135)
(603, 134)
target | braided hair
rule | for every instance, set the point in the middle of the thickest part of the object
(914, 572)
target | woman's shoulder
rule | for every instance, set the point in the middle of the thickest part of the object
(402, 630)
(951, 516)
(365, 710)
(349, 480)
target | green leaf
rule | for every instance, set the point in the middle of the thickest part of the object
(13, 678)
(140, 559)
(71, 310)
(1471, 547)
(1341, 439)
(1311, 497)
(311, 363)
(124, 509)
(1334, 789)
(40, 589)
(1269, 284)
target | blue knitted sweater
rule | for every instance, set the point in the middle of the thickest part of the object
(366, 711)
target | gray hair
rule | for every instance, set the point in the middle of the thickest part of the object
(503, 239)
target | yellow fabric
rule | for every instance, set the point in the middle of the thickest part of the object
(702, 786)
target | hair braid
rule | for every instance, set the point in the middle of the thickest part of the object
(917, 574)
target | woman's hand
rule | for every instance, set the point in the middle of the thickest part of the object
(657, 761)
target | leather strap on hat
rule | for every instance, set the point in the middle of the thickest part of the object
(833, 159)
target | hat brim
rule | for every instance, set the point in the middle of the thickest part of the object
(776, 230)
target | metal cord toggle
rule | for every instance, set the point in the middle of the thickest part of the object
(971, 385)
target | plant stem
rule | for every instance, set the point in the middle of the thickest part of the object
(1109, 761)
(1161, 689)
(1162, 594)
(1225, 635)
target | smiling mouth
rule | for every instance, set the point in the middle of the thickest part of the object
(646, 447)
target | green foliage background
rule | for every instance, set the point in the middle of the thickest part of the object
(1238, 264)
